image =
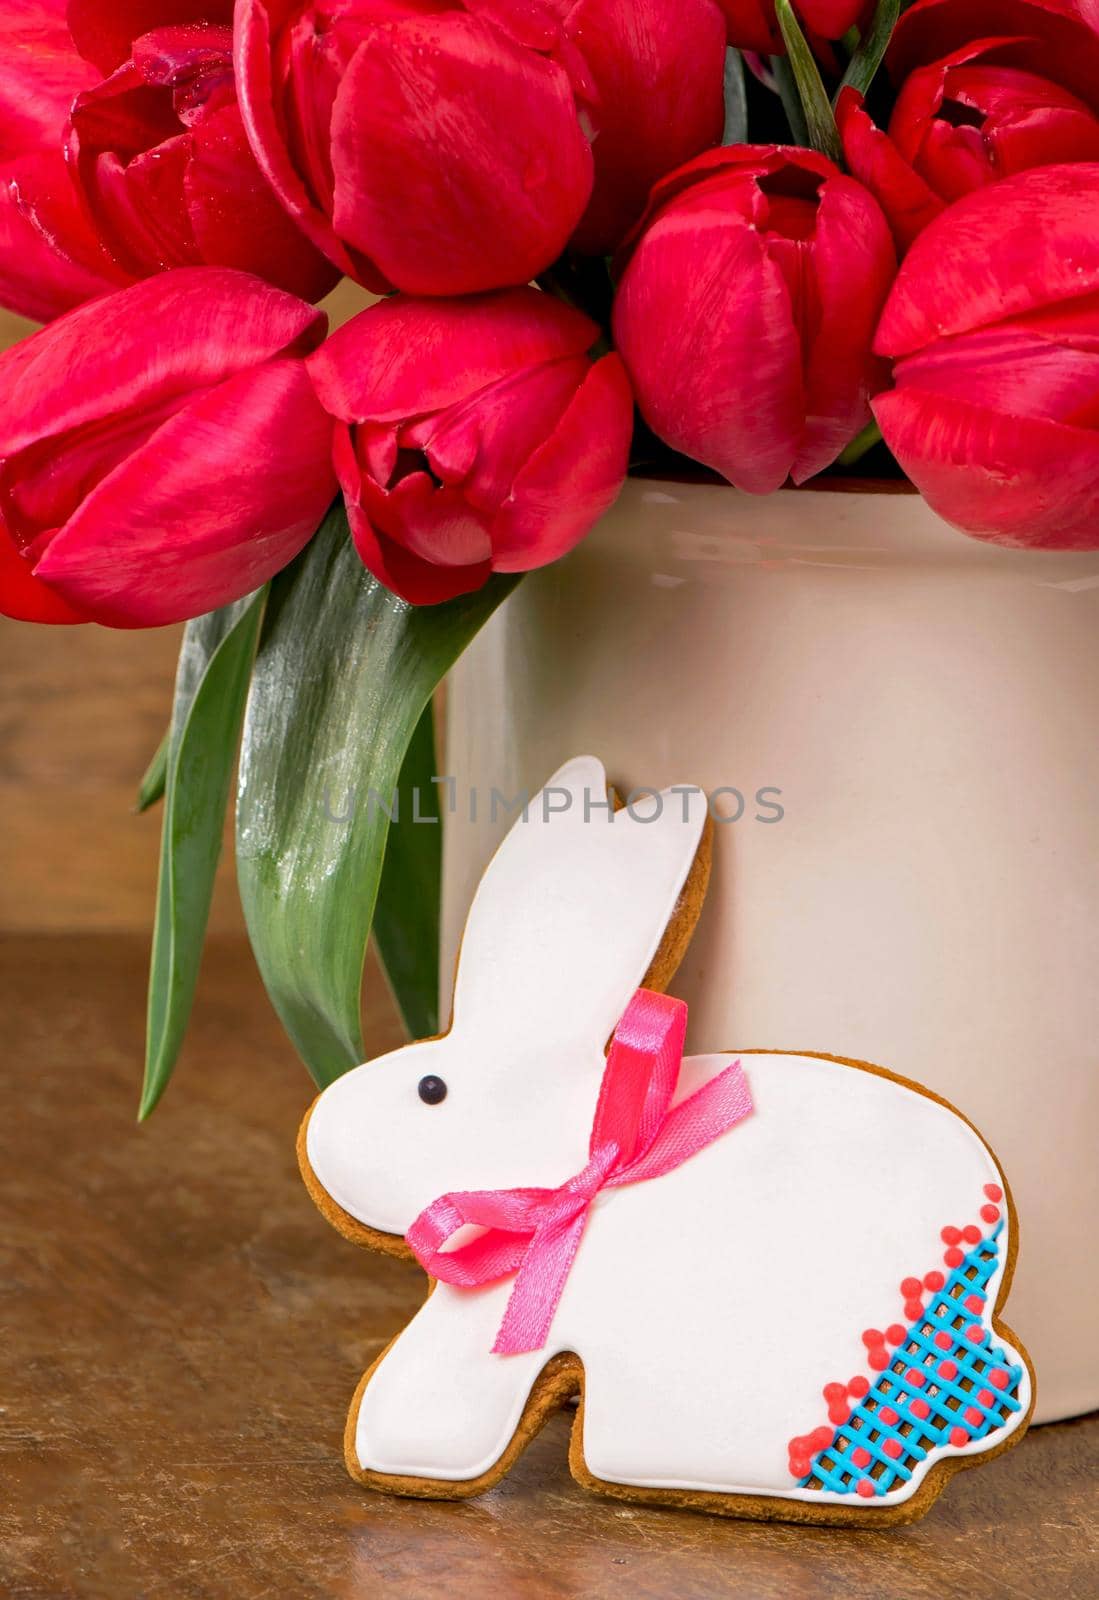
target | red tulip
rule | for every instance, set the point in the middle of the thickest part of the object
(1057, 39)
(752, 24)
(993, 325)
(958, 124)
(746, 314)
(473, 436)
(159, 151)
(358, 109)
(50, 259)
(163, 451)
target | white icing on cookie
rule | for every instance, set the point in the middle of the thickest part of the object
(709, 1306)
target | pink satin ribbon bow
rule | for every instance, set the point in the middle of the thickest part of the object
(637, 1133)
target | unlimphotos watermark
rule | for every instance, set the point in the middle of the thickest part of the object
(645, 804)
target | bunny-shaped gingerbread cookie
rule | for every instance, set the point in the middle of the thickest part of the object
(797, 1321)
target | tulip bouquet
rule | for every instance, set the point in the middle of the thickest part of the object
(758, 239)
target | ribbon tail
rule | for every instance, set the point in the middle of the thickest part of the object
(538, 1286)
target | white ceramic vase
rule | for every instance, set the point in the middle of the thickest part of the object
(927, 707)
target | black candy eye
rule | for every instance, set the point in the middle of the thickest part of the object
(431, 1090)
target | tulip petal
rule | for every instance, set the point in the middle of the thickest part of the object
(1016, 368)
(716, 364)
(365, 369)
(853, 265)
(1028, 242)
(518, 168)
(237, 220)
(659, 69)
(252, 45)
(40, 73)
(420, 582)
(874, 159)
(574, 477)
(485, 442)
(41, 226)
(1017, 481)
(752, 25)
(1055, 38)
(27, 598)
(103, 30)
(433, 522)
(216, 502)
(166, 336)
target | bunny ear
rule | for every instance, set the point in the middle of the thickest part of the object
(573, 909)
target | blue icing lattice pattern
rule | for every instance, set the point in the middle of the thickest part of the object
(947, 1399)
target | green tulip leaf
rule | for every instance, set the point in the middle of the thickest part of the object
(199, 755)
(151, 790)
(863, 66)
(819, 119)
(343, 674)
(406, 917)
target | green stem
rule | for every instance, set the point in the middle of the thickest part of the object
(860, 444)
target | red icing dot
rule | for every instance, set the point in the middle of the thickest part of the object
(872, 1337)
(973, 1416)
(888, 1415)
(913, 1310)
(799, 1466)
(860, 1456)
(820, 1439)
(953, 1257)
(919, 1408)
(959, 1436)
(878, 1358)
(834, 1391)
(934, 1282)
(971, 1233)
(974, 1302)
(1000, 1376)
(895, 1333)
(858, 1387)
(990, 1213)
(892, 1447)
(951, 1235)
(948, 1370)
(865, 1487)
(839, 1413)
(944, 1340)
(917, 1376)
(985, 1397)
(993, 1191)
(910, 1288)
(976, 1333)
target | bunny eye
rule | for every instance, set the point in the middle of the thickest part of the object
(431, 1090)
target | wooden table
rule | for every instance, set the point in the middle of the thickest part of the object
(182, 1334)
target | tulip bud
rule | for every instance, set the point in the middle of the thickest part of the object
(960, 123)
(355, 107)
(159, 152)
(473, 436)
(175, 476)
(50, 259)
(746, 312)
(1057, 39)
(993, 327)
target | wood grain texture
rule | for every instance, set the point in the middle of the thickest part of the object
(183, 1332)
